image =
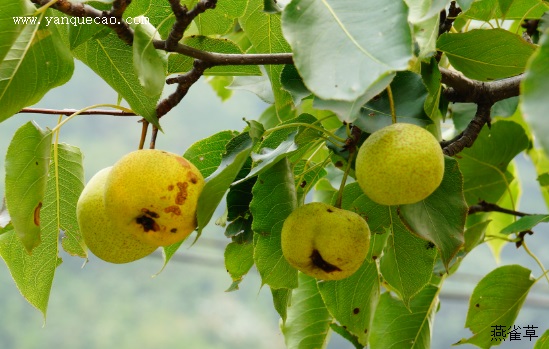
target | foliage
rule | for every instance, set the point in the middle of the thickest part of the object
(474, 73)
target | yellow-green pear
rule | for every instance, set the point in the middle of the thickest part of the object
(399, 164)
(153, 195)
(325, 242)
(103, 241)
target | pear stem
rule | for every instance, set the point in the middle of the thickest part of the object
(392, 104)
(352, 155)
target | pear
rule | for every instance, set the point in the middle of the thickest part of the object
(103, 241)
(399, 164)
(325, 242)
(153, 195)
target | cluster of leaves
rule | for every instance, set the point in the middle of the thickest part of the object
(355, 65)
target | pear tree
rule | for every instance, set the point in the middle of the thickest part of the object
(385, 156)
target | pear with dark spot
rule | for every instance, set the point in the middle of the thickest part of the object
(325, 242)
(153, 195)
(104, 241)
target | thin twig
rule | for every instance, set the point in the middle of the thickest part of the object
(484, 206)
(144, 129)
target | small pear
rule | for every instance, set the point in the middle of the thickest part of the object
(325, 242)
(399, 164)
(101, 238)
(153, 195)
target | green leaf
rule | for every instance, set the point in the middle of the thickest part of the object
(112, 60)
(525, 223)
(307, 174)
(239, 259)
(398, 326)
(341, 53)
(277, 186)
(340, 330)
(207, 153)
(421, 10)
(237, 152)
(220, 85)
(33, 274)
(353, 300)
(474, 235)
(36, 62)
(408, 261)
(507, 56)
(147, 61)
(27, 166)
(282, 297)
(308, 322)
(221, 19)
(69, 183)
(179, 63)
(409, 95)
(543, 341)
(293, 83)
(159, 14)
(431, 78)
(265, 33)
(533, 102)
(484, 165)
(440, 218)
(514, 9)
(496, 301)
(9, 30)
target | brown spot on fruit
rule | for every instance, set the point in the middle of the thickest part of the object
(330, 210)
(192, 177)
(150, 213)
(173, 230)
(182, 195)
(356, 311)
(318, 261)
(147, 223)
(37, 213)
(173, 209)
(183, 162)
(170, 187)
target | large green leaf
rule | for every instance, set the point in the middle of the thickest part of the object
(207, 153)
(150, 64)
(237, 152)
(440, 218)
(36, 62)
(274, 199)
(27, 166)
(239, 258)
(352, 301)
(308, 322)
(496, 301)
(11, 11)
(408, 261)
(179, 63)
(525, 223)
(265, 33)
(507, 56)
(68, 175)
(534, 103)
(543, 341)
(484, 165)
(112, 60)
(398, 326)
(409, 95)
(343, 47)
(485, 10)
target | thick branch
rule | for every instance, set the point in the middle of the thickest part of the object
(446, 22)
(464, 90)
(484, 206)
(68, 112)
(471, 132)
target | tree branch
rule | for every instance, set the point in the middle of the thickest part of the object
(471, 132)
(183, 19)
(484, 206)
(446, 22)
(68, 112)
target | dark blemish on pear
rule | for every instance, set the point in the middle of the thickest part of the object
(173, 230)
(147, 223)
(192, 177)
(182, 195)
(37, 214)
(356, 311)
(329, 210)
(150, 213)
(321, 263)
(170, 187)
(183, 162)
